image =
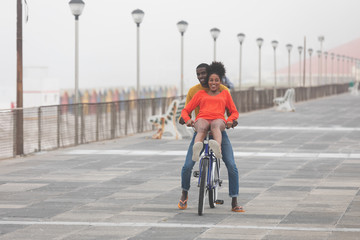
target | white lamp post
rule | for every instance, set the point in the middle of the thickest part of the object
(182, 26)
(321, 40)
(138, 16)
(343, 73)
(241, 38)
(325, 56)
(215, 32)
(332, 67)
(310, 51)
(76, 7)
(319, 67)
(351, 66)
(300, 50)
(356, 69)
(289, 47)
(274, 45)
(259, 42)
(338, 68)
(348, 69)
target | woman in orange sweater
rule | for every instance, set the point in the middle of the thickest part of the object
(212, 103)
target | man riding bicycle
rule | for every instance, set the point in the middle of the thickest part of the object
(226, 149)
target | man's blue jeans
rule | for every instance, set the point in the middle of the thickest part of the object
(228, 158)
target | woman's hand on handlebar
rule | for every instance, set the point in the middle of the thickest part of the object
(190, 123)
(231, 124)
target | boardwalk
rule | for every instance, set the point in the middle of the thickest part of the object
(299, 179)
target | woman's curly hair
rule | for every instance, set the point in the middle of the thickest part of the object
(216, 68)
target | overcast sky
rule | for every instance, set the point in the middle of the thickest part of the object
(108, 37)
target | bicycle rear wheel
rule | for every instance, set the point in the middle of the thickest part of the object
(202, 189)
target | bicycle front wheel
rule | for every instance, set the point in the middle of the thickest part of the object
(213, 187)
(202, 189)
(212, 197)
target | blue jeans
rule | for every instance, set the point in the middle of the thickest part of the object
(228, 158)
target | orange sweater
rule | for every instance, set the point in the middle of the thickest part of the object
(211, 107)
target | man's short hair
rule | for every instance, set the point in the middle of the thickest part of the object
(203, 65)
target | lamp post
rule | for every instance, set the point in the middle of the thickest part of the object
(321, 40)
(76, 7)
(351, 67)
(325, 56)
(241, 38)
(319, 67)
(310, 51)
(348, 69)
(138, 16)
(182, 26)
(300, 50)
(289, 47)
(19, 147)
(343, 72)
(274, 45)
(356, 62)
(259, 42)
(215, 32)
(338, 68)
(332, 55)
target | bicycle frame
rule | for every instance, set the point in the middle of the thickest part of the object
(212, 175)
(213, 161)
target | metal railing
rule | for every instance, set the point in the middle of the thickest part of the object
(52, 127)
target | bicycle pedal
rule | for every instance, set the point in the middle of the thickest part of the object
(196, 173)
(219, 202)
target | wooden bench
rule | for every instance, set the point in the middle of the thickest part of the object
(286, 103)
(167, 124)
(354, 90)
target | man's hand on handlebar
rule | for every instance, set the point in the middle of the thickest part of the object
(235, 123)
(181, 121)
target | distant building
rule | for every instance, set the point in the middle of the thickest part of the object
(336, 65)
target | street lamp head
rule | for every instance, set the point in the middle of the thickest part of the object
(274, 44)
(259, 42)
(76, 7)
(215, 32)
(321, 38)
(289, 47)
(300, 49)
(310, 51)
(241, 37)
(332, 55)
(138, 16)
(182, 26)
(319, 53)
(338, 56)
(325, 54)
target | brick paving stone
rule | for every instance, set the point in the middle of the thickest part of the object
(299, 179)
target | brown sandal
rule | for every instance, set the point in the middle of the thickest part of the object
(183, 204)
(238, 209)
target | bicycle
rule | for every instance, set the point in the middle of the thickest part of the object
(209, 177)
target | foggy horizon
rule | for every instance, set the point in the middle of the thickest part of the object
(107, 38)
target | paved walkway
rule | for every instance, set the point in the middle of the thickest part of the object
(299, 179)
